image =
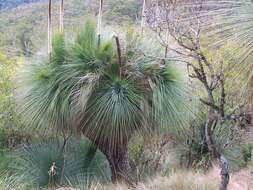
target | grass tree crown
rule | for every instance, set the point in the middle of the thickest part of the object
(106, 91)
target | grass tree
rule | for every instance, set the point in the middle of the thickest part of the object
(32, 163)
(107, 92)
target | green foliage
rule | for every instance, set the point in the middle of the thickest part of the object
(20, 33)
(11, 138)
(13, 182)
(7, 160)
(24, 38)
(230, 21)
(58, 51)
(7, 103)
(23, 31)
(247, 153)
(225, 59)
(88, 88)
(121, 10)
(229, 134)
(83, 86)
(228, 138)
(78, 159)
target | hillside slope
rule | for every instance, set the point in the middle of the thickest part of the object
(23, 30)
(9, 4)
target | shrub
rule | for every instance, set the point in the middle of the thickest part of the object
(79, 160)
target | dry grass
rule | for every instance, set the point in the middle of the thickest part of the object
(189, 180)
(183, 180)
(242, 180)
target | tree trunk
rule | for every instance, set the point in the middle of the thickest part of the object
(119, 164)
(211, 120)
(223, 163)
(224, 173)
(117, 158)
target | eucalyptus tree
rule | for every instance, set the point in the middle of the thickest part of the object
(106, 92)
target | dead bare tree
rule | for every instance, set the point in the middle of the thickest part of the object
(186, 33)
(181, 22)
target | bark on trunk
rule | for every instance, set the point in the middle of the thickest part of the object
(211, 120)
(119, 164)
(224, 173)
(117, 158)
(223, 163)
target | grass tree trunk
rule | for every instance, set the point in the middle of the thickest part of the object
(117, 156)
(119, 164)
